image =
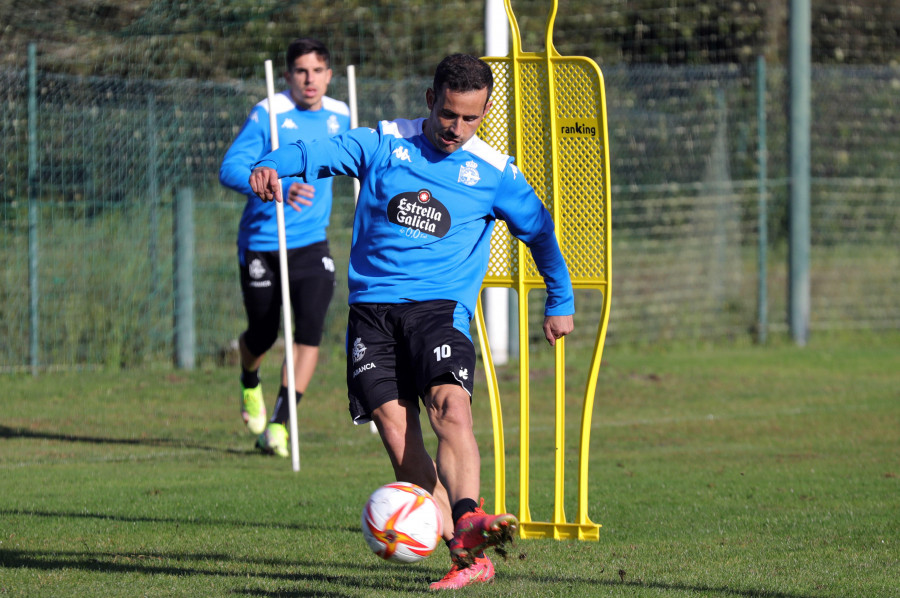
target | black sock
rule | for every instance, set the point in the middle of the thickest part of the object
(249, 379)
(463, 506)
(282, 409)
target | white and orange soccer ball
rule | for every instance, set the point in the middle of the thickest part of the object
(401, 522)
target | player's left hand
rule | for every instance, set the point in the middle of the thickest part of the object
(299, 194)
(264, 182)
(557, 327)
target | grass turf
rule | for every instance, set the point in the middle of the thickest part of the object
(720, 471)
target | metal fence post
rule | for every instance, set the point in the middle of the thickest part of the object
(798, 265)
(33, 208)
(183, 229)
(762, 320)
(153, 192)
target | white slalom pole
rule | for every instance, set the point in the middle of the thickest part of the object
(285, 287)
(354, 118)
(354, 122)
(496, 300)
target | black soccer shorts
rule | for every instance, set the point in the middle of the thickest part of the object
(312, 281)
(399, 350)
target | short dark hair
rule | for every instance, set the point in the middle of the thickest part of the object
(462, 72)
(303, 46)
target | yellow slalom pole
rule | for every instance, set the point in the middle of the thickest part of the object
(550, 114)
(496, 413)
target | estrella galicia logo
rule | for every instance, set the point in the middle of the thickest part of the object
(419, 211)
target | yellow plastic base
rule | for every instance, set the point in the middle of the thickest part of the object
(560, 531)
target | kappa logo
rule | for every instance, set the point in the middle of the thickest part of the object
(255, 117)
(256, 269)
(468, 173)
(401, 153)
(515, 171)
(464, 373)
(328, 264)
(289, 124)
(359, 349)
(333, 125)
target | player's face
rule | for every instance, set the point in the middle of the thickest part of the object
(308, 81)
(455, 116)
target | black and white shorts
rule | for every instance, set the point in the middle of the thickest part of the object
(399, 350)
(312, 281)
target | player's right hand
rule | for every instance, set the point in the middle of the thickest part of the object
(264, 182)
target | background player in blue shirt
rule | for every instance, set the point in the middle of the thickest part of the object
(303, 111)
(430, 192)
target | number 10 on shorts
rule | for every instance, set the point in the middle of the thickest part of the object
(442, 352)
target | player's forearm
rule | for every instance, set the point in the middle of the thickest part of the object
(535, 229)
(247, 147)
(552, 266)
(234, 176)
(235, 168)
(289, 160)
(560, 296)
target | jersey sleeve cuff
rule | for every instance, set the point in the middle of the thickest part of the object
(563, 308)
(264, 162)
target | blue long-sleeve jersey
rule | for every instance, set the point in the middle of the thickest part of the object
(259, 227)
(424, 217)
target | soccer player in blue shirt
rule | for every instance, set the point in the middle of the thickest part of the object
(303, 112)
(430, 193)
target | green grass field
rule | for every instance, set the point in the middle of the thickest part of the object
(722, 471)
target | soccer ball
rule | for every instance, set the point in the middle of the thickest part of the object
(401, 522)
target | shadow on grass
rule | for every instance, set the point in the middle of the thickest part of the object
(699, 589)
(326, 526)
(334, 574)
(374, 577)
(7, 432)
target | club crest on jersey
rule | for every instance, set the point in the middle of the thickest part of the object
(333, 125)
(419, 214)
(468, 173)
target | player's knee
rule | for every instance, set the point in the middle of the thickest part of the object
(259, 341)
(307, 336)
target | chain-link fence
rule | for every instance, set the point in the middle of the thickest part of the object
(87, 243)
